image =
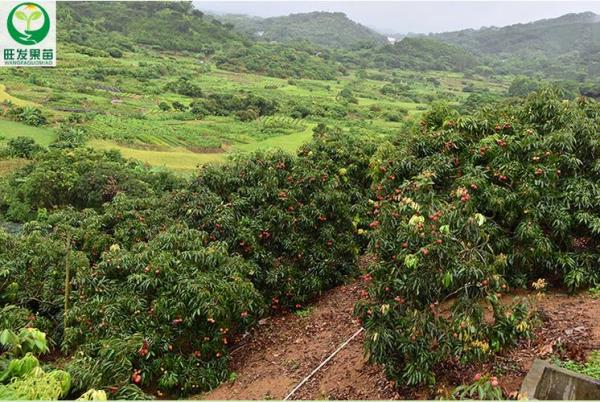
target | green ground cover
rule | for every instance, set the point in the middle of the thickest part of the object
(118, 100)
(12, 129)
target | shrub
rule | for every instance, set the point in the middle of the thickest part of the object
(28, 115)
(397, 115)
(179, 106)
(536, 175)
(80, 178)
(22, 147)
(198, 110)
(68, 136)
(164, 312)
(347, 95)
(436, 271)
(300, 111)
(155, 303)
(227, 104)
(291, 219)
(115, 53)
(33, 275)
(75, 118)
(394, 89)
(473, 206)
(247, 115)
(185, 87)
(346, 157)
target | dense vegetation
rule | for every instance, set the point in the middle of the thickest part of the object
(330, 30)
(283, 61)
(218, 246)
(461, 180)
(564, 47)
(126, 25)
(498, 199)
(474, 206)
(423, 54)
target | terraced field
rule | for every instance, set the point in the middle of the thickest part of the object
(119, 101)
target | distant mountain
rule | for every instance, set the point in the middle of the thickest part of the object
(559, 35)
(332, 30)
(566, 47)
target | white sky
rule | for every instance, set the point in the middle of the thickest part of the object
(413, 16)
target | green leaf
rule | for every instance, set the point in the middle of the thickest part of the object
(480, 219)
(411, 261)
(35, 15)
(21, 15)
(9, 338)
(447, 279)
(416, 220)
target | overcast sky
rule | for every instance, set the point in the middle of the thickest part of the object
(413, 16)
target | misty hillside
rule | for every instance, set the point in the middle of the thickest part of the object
(567, 46)
(557, 35)
(116, 28)
(320, 44)
(322, 28)
(422, 53)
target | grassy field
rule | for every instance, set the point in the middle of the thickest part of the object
(185, 161)
(6, 97)
(119, 99)
(11, 129)
(177, 159)
(289, 142)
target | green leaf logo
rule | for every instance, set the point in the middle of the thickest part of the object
(21, 15)
(28, 23)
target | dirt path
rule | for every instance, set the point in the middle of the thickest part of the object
(283, 350)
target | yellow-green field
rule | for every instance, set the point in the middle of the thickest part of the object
(182, 160)
(177, 159)
(11, 129)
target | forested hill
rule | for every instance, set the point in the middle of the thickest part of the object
(332, 30)
(567, 46)
(558, 35)
(422, 53)
(323, 45)
(173, 26)
(113, 29)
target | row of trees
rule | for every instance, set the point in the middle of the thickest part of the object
(163, 274)
(145, 279)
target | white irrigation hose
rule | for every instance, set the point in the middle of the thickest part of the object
(324, 362)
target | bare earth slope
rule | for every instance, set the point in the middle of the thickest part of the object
(284, 350)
